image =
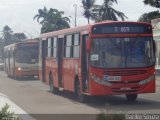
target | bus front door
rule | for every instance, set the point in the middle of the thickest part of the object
(59, 61)
(84, 64)
(43, 53)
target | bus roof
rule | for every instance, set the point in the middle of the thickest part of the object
(110, 22)
(26, 41)
(64, 31)
(84, 28)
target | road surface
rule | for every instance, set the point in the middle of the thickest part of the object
(34, 97)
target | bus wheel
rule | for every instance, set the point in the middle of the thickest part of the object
(81, 97)
(131, 97)
(17, 77)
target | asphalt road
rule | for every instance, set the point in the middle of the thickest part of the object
(34, 97)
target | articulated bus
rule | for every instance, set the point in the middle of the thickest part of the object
(106, 58)
(21, 59)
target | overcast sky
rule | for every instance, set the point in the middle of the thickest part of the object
(18, 14)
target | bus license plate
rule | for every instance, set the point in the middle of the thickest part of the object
(112, 78)
(125, 88)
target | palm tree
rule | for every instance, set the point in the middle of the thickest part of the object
(107, 12)
(55, 17)
(42, 14)
(89, 8)
(51, 20)
(7, 35)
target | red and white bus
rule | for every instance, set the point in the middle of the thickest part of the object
(21, 59)
(106, 58)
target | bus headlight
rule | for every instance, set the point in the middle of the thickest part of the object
(147, 80)
(19, 69)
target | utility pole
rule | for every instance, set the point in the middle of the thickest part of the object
(75, 21)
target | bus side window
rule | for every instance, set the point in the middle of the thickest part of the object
(46, 47)
(55, 47)
(52, 43)
(49, 47)
(67, 46)
(76, 46)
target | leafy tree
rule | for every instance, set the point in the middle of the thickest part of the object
(153, 3)
(8, 37)
(19, 36)
(6, 30)
(47, 27)
(51, 20)
(147, 17)
(56, 19)
(107, 12)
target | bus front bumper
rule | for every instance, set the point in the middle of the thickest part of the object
(117, 89)
(21, 73)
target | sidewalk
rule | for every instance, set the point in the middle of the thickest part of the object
(14, 108)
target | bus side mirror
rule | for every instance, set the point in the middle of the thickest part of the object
(154, 46)
(88, 45)
(155, 50)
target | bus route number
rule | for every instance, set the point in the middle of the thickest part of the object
(122, 29)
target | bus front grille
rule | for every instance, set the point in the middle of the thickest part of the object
(125, 82)
(132, 89)
(125, 72)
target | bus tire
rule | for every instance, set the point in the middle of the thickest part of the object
(15, 77)
(80, 96)
(18, 78)
(131, 97)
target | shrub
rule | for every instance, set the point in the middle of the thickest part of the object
(5, 114)
(111, 117)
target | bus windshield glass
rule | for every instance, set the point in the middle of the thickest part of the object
(27, 54)
(122, 52)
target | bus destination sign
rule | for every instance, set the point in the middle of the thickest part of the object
(121, 29)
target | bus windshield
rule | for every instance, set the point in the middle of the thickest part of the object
(27, 54)
(122, 52)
